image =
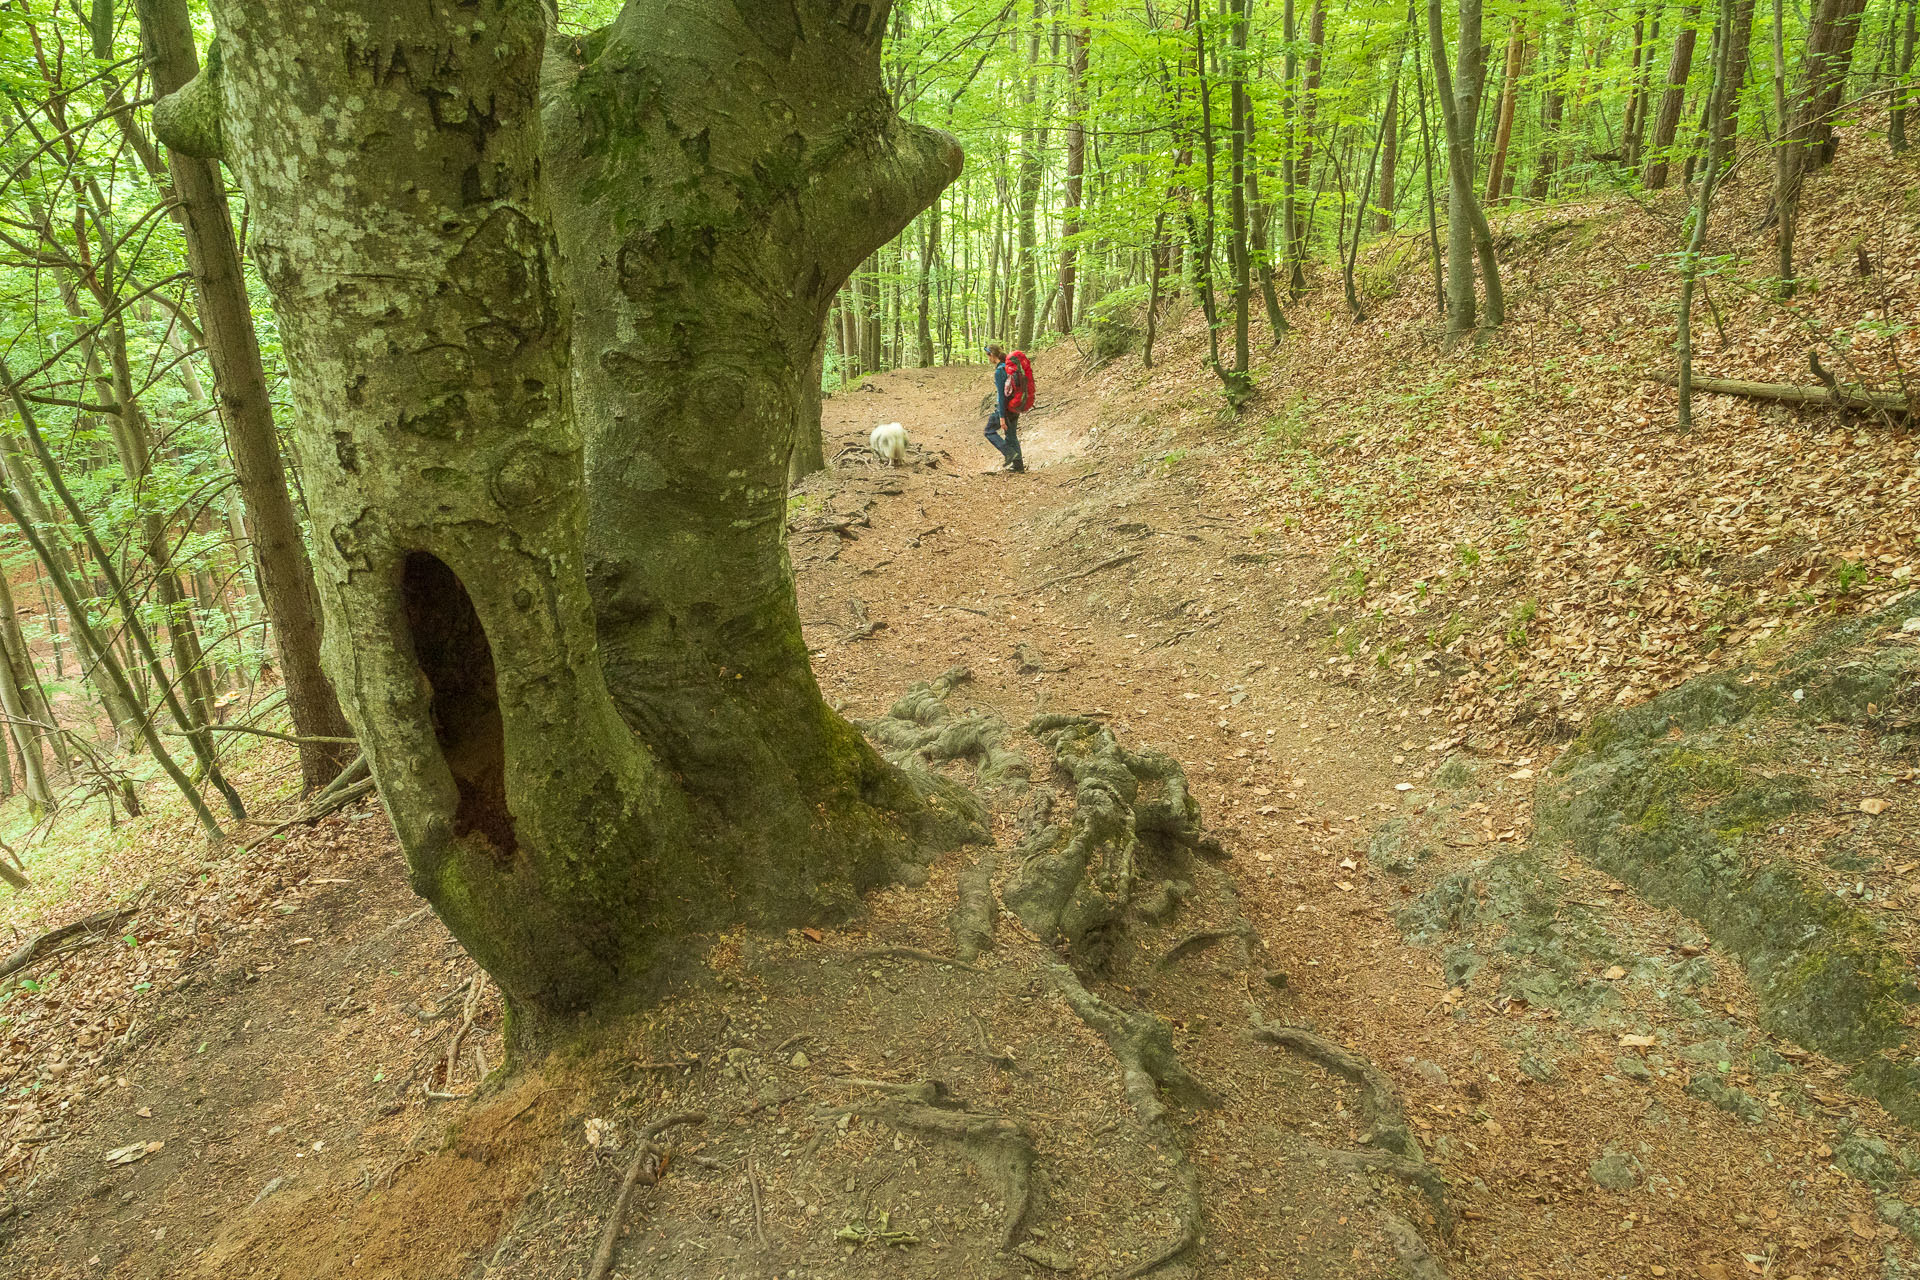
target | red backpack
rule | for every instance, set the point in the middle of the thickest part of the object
(1020, 396)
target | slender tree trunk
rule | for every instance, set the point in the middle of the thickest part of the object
(1290, 149)
(1667, 123)
(1503, 125)
(1201, 238)
(107, 667)
(1904, 96)
(1556, 100)
(1637, 111)
(1839, 23)
(28, 724)
(1239, 14)
(929, 254)
(1726, 110)
(1077, 37)
(1366, 190)
(1467, 232)
(1389, 162)
(1829, 46)
(281, 564)
(1703, 212)
(1309, 114)
(1153, 288)
(1433, 219)
(559, 604)
(1033, 158)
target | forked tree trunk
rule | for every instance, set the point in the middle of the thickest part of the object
(1467, 232)
(550, 372)
(281, 565)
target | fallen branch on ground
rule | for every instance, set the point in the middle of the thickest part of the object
(95, 925)
(1832, 392)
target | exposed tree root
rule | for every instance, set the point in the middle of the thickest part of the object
(999, 1145)
(922, 730)
(1388, 1122)
(974, 913)
(1153, 1262)
(1141, 1042)
(1076, 882)
(1418, 1174)
(1396, 1152)
(1200, 940)
(643, 1170)
(1411, 1249)
(914, 953)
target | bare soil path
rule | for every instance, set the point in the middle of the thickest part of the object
(283, 1078)
(1105, 581)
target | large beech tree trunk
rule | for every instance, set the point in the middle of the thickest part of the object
(550, 365)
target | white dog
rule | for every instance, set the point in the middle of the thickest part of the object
(889, 442)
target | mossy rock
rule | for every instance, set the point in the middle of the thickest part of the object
(1678, 798)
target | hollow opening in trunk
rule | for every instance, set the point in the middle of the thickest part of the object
(451, 647)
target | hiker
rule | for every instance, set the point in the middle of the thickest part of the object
(1015, 394)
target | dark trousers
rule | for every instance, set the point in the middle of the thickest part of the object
(1009, 444)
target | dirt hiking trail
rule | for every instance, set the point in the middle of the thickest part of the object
(1346, 1018)
(1105, 582)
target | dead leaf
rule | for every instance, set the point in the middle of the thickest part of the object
(1614, 973)
(1875, 807)
(133, 1152)
(1520, 775)
(812, 935)
(1636, 1042)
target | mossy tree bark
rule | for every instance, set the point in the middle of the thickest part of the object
(553, 308)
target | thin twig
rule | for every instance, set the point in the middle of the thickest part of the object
(759, 1220)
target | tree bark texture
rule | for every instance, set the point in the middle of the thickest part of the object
(553, 310)
(1830, 47)
(1077, 36)
(281, 564)
(1667, 123)
(1903, 97)
(1389, 163)
(1033, 159)
(1467, 230)
(1503, 123)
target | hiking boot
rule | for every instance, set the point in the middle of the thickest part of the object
(1018, 468)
